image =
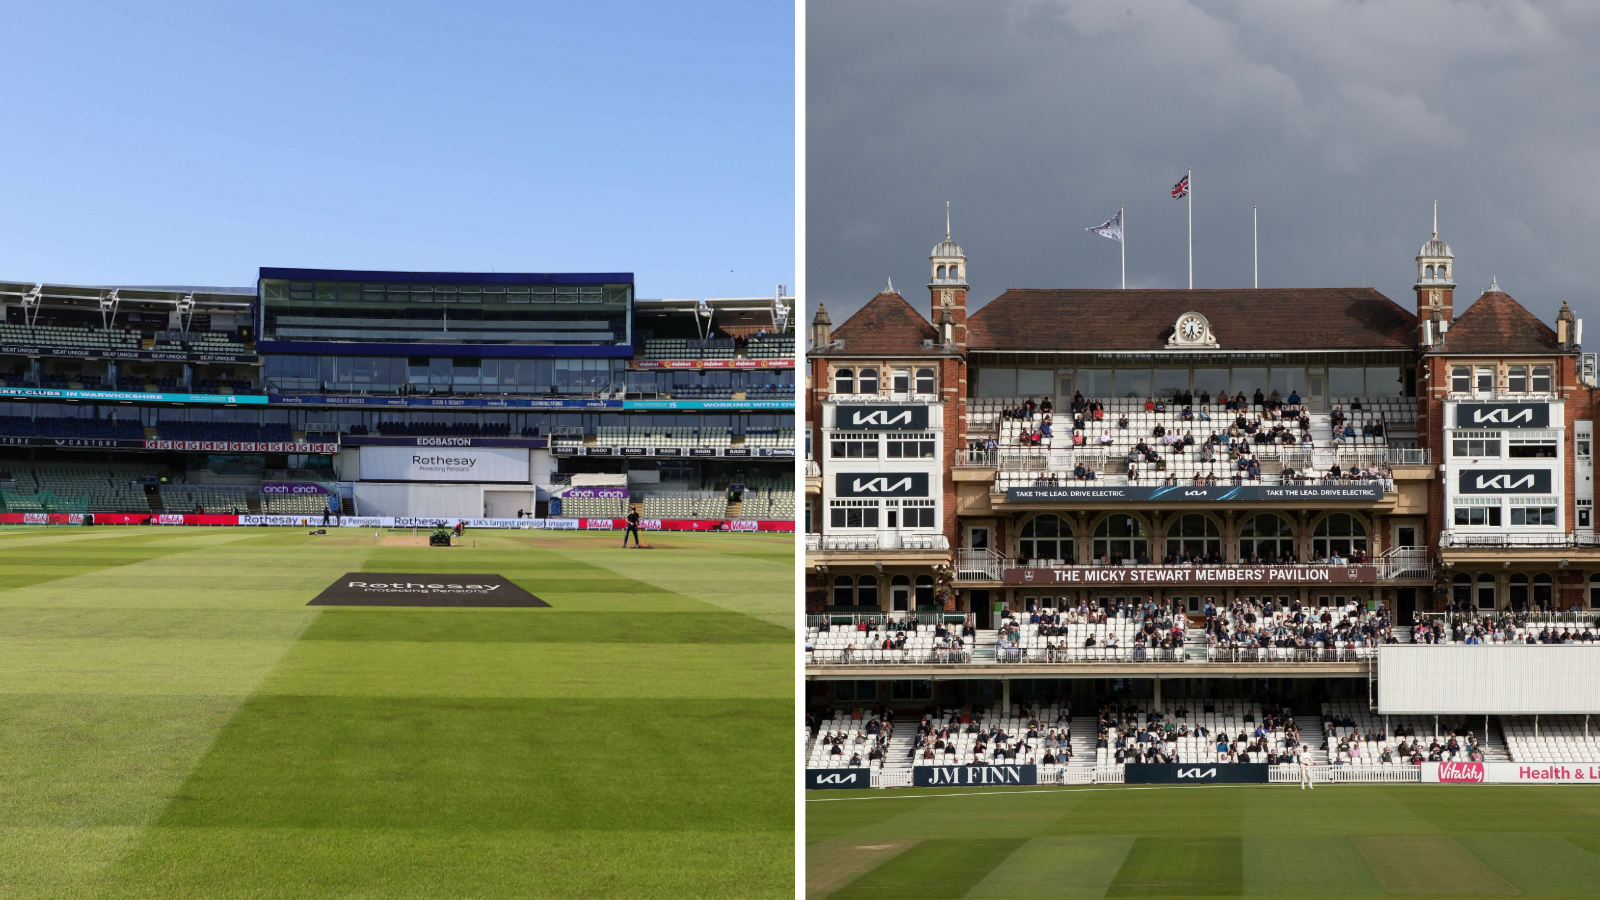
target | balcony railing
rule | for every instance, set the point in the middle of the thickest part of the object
(1404, 562)
(1455, 540)
(976, 457)
(885, 657)
(813, 470)
(883, 540)
(980, 565)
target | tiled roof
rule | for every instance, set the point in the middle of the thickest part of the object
(1495, 323)
(887, 324)
(1243, 319)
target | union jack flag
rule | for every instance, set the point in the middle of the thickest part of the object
(1181, 189)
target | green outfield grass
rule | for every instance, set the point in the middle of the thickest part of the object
(1339, 841)
(176, 722)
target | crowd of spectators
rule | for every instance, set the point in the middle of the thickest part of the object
(971, 736)
(1270, 629)
(889, 640)
(1503, 627)
(1130, 732)
(1129, 630)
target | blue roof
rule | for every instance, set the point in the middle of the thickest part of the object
(451, 277)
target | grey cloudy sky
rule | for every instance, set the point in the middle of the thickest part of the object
(1341, 121)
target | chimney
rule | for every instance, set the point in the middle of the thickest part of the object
(821, 333)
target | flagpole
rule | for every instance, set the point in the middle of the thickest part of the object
(1124, 242)
(1255, 244)
(1189, 177)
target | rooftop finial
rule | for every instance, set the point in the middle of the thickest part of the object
(1494, 284)
(890, 288)
(1435, 218)
(947, 220)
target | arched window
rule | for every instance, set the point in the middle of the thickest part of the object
(1486, 591)
(939, 273)
(844, 382)
(1461, 379)
(1427, 272)
(924, 381)
(924, 590)
(1517, 379)
(1267, 536)
(1519, 591)
(869, 381)
(1121, 537)
(1339, 533)
(1594, 591)
(1047, 537)
(844, 591)
(901, 380)
(899, 593)
(1543, 591)
(1461, 589)
(955, 273)
(1193, 535)
(867, 591)
(1541, 379)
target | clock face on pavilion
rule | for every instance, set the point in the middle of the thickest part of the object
(1192, 330)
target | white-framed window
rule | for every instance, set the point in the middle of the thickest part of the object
(1483, 379)
(1538, 516)
(925, 381)
(1541, 379)
(853, 513)
(1517, 379)
(853, 446)
(1460, 379)
(1585, 511)
(1541, 447)
(1475, 444)
(844, 381)
(911, 514)
(867, 381)
(910, 446)
(900, 381)
(1477, 511)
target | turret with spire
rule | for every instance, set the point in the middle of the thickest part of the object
(947, 285)
(1435, 286)
(821, 328)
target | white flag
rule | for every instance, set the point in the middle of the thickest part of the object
(1111, 229)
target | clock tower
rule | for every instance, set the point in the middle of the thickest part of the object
(947, 283)
(1435, 287)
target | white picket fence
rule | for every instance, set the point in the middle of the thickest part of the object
(1401, 774)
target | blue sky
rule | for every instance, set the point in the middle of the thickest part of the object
(190, 145)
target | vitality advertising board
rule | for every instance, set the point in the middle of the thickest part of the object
(1197, 494)
(881, 484)
(934, 776)
(1504, 481)
(1502, 415)
(881, 418)
(1510, 773)
(1195, 773)
(838, 779)
(475, 464)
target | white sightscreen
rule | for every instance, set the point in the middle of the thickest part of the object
(475, 464)
(1486, 679)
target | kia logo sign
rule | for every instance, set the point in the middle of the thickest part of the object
(1461, 772)
(1504, 481)
(837, 779)
(882, 418)
(1198, 773)
(881, 484)
(1504, 415)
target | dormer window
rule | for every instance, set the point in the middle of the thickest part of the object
(1541, 379)
(868, 381)
(844, 382)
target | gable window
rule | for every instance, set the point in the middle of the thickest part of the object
(1541, 379)
(868, 381)
(844, 382)
(924, 381)
(1460, 379)
(1517, 379)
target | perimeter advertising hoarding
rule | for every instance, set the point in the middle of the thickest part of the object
(1194, 575)
(469, 464)
(934, 776)
(1504, 481)
(838, 779)
(1510, 773)
(1502, 415)
(881, 484)
(1192, 773)
(1196, 493)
